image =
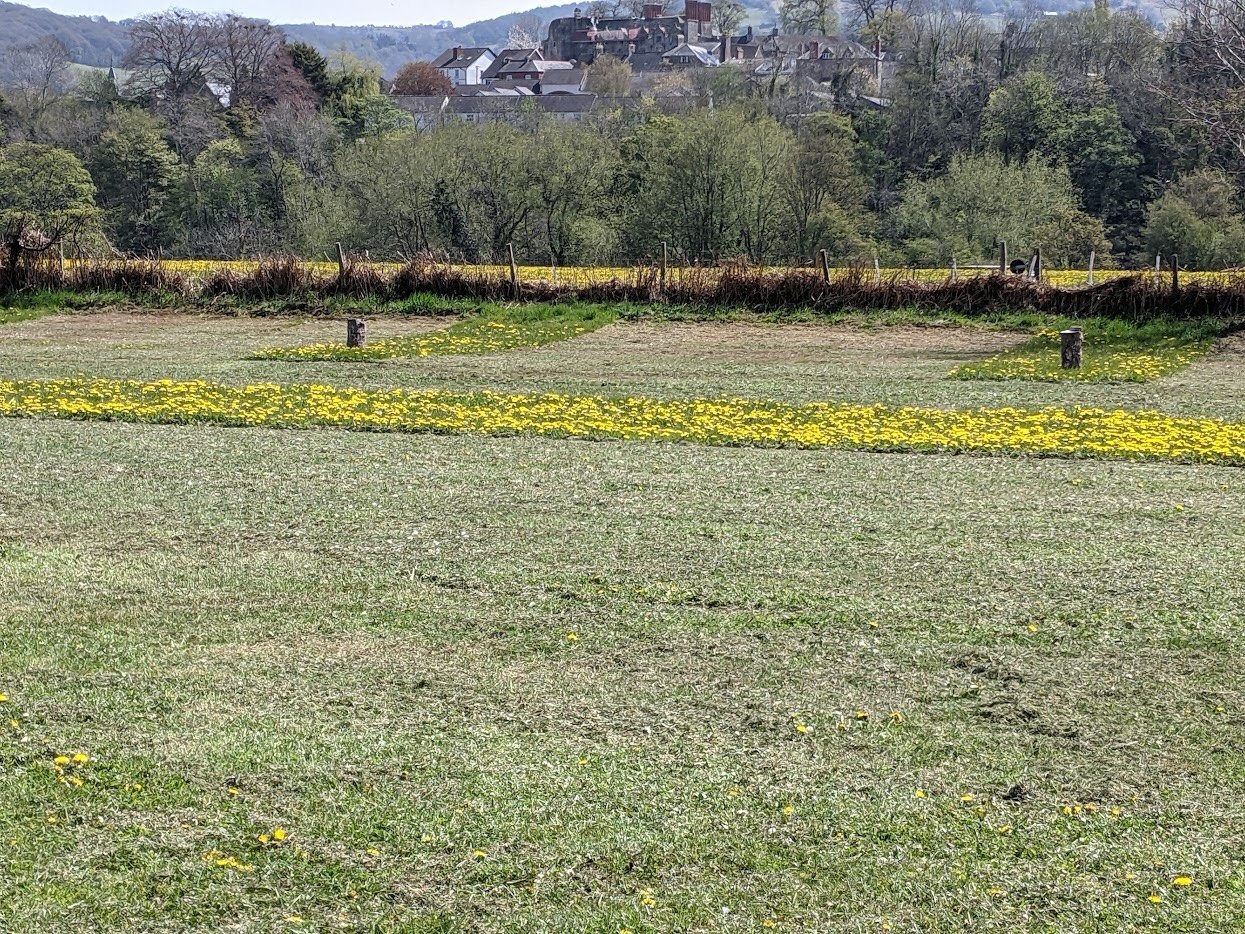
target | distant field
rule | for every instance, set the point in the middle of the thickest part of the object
(261, 680)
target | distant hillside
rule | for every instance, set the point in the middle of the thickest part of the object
(91, 40)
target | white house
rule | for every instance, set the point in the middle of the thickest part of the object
(464, 66)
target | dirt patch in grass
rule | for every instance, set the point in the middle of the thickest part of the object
(792, 343)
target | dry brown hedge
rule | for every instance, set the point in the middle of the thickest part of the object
(735, 285)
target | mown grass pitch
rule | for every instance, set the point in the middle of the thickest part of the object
(531, 684)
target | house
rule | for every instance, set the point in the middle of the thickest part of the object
(521, 65)
(689, 56)
(563, 81)
(464, 66)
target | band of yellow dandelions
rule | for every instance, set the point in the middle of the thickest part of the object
(1070, 432)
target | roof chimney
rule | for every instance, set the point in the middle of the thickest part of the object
(457, 51)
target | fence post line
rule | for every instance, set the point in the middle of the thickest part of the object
(1091, 268)
(665, 265)
(341, 261)
(514, 272)
(1175, 261)
(1158, 266)
(1071, 342)
(955, 272)
(1002, 257)
(877, 269)
(825, 266)
(1037, 264)
(60, 253)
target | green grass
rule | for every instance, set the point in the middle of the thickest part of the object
(1115, 351)
(497, 329)
(367, 635)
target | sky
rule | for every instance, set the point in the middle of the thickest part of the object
(354, 13)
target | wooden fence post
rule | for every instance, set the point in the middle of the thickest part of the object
(825, 266)
(514, 272)
(60, 253)
(1002, 257)
(356, 332)
(1158, 266)
(665, 265)
(1091, 268)
(1037, 264)
(341, 261)
(955, 272)
(1175, 274)
(877, 269)
(1071, 343)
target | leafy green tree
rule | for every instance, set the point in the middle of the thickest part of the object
(222, 204)
(358, 105)
(983, 199)
(571, 182)
(1103, 161)
(313, 66)
(46, 198)
(1198, 220)
(135, 171)
(822, 188)
(1024, 116)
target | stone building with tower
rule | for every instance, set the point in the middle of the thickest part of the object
(638, 39)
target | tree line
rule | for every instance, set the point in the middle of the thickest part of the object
(1087, 132)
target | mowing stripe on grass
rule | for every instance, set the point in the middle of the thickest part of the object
(1070, 432)
(493, 332)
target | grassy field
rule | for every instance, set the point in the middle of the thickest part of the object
(543, 685)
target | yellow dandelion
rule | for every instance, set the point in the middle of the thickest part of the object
(1155, 898)
(61, 760)
(862, 715)
(373, 851)
(897, 717)
(80, 757)
(919, 793)
(966, 797)
(572, 637)
(479, 854)
(788, 809)
(1182, 880)
(801, 727)
(278, 834)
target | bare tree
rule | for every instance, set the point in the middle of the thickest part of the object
(727, 15)
(525, 32)
(172, 52)
(245, 57)
(809, 17)
(1207, 79)
(34, 76)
